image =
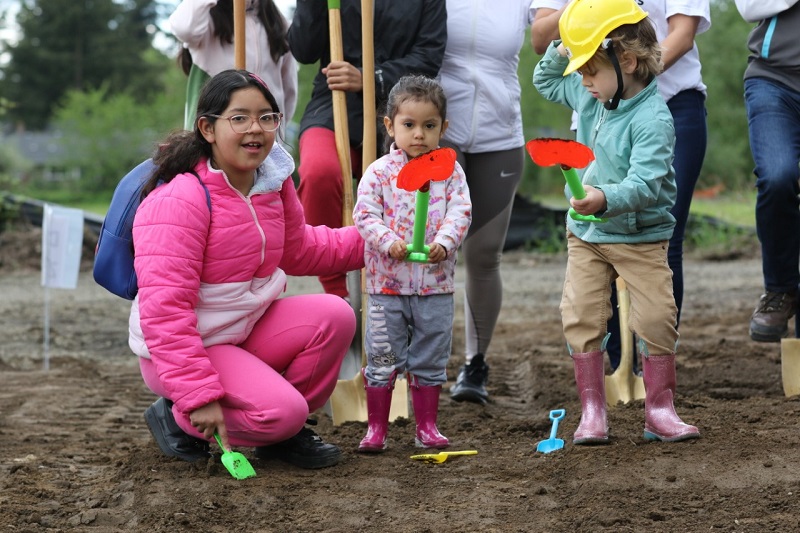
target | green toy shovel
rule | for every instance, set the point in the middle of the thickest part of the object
(236, 463)
(569, 155)
(417, 175)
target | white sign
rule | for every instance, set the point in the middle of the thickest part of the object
(62, 244)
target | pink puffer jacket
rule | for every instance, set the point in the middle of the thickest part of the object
(205, 277)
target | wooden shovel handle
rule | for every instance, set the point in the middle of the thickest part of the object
(239, 60)
(340, 127)
(368, 150)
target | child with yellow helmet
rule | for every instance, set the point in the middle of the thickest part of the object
(605, 69)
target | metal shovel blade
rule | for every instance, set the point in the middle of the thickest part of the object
(441, 456)
(236, 463)
(623, 385)
(552, 444)
(349, 401)
(790, 366)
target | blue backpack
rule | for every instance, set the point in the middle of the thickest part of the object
(113, 257)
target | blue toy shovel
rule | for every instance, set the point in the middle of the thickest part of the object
(552, 444)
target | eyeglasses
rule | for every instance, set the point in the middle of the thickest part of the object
(268, 122)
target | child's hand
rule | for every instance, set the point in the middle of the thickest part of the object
(398, 250)
(437, 253)
(562, 51)
(208, 419)
(594, 202)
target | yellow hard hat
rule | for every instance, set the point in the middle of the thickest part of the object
(585, 24)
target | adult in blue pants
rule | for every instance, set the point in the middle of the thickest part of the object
(772, 100)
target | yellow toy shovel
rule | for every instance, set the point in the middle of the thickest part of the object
(236, 463)
(441, 456)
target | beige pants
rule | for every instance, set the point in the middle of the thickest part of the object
(585, 302)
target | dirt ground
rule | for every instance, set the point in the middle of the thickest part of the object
(76, 455)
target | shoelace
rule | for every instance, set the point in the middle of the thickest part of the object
(773, 301)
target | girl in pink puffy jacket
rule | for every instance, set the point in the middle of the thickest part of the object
(225, 354)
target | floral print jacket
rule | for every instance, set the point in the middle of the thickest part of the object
(384, 213)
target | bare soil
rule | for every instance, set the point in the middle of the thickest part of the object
(76, 455)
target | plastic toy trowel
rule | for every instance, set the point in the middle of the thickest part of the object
(417, 175)
(441, 456)
(552, 444)
(236, 463)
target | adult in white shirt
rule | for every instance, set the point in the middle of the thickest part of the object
(479, 76)
(205, 27)
(681, 84)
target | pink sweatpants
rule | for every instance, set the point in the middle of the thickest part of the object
(321, 189)
(287, 368)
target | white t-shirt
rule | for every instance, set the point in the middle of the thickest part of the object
(683, 74)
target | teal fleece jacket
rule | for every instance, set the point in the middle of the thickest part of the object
(633, 146)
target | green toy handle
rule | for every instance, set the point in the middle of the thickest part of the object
(219, 441)
(418, 251)
(577, 190)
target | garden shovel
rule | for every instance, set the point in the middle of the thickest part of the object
(552, 444)
(623, 385)
(236, 463)
(569, 155)
(790, 362)
(348, 402)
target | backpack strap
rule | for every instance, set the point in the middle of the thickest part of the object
(208, 195)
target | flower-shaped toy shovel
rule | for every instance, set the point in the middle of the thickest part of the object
(552, 444)
(569, 155)
(417, 175)
(236, 463)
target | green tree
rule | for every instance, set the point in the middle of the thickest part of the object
(107, 133)
(77, 45)
(723, 53)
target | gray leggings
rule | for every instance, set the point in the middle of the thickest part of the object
(492, 178)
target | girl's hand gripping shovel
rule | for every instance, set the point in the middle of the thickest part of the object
(417, 175)
(236, 463)
(552, 444)
(569, 155)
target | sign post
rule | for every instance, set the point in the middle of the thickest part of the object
(62, 243)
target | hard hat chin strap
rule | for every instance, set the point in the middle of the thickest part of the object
(614, 102)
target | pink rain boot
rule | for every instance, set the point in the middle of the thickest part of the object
(379, 401)
(425, 400)
(590, 379)
(661, 422)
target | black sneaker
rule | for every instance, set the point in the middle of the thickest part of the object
(471, 382)
(172, 440)
(304, 450)
(770, 320)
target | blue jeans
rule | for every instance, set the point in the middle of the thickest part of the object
(773, 117)
(691, 137)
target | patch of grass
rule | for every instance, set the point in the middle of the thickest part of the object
(722, 227)
(712, 238)
(735, 208)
